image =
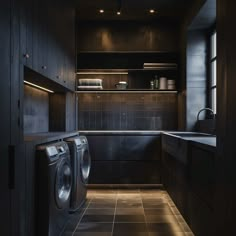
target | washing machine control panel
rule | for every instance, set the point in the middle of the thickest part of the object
(52, 152)
(61, 149)
(77, 142)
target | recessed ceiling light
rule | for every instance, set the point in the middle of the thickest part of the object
(101, 11)
(118, 13)
(152, 11)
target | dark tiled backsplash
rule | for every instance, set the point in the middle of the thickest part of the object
(127, 111)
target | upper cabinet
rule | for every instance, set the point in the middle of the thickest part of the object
(47, 39)
(26, 32)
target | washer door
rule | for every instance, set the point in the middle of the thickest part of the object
(85, 165)
(63, 183)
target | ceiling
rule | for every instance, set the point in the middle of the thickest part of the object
(172, 10)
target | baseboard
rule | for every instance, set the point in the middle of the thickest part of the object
(125, 186)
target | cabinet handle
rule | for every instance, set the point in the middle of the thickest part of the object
(44, 67)
(64, 81)
(58, 76)
(26, 55)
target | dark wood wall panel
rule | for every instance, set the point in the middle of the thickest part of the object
(57, 113)
(123, 111)
(226, 117)
(36, 110)
(5, 124)
(71, 110)
(127, 36)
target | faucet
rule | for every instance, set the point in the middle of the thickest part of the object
(206, 109)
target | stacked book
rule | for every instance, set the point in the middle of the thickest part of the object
(90, 84)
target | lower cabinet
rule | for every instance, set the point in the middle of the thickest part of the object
(121, 159)
(125, 172)
(191, 186)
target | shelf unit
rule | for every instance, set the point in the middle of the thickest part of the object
(136, 68)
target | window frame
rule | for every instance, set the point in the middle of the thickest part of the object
(211, 60)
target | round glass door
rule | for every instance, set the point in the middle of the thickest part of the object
(85, 166)
(63, 183)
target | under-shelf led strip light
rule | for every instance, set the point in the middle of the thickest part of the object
(37, 86)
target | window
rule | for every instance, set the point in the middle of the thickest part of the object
(213, 75)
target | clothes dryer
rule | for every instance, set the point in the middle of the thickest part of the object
(80, 162)
(53, 188)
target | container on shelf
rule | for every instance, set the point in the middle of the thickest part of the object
(163, 83)
(122, 85)
(171, 84)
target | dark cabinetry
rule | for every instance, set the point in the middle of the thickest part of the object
(47, 39)
(125, 159)
(25, 29)
(191, 186)
(5, 121)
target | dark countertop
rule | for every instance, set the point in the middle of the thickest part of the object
(47, 137)
(120, 132)
(204, 141)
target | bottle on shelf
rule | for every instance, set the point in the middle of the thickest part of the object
(156, 82)
(151, 84)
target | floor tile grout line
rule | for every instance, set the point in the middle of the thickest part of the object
(144, 214)
(114, 214)
(81, 217)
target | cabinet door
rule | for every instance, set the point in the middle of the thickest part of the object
(52, 42)
(5, 116)
(40, 32)
(26, 32)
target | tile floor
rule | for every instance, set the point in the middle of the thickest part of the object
(127, 213)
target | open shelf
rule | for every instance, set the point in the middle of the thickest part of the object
(136, 68)
(127, 91)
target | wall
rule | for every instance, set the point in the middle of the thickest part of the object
(182, 99)
(5, 124)
(196, 76)
(125, 111)
(127, 36)
(226, 116)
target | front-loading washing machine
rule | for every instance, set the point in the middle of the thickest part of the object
(80, 162)
(53, 188)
